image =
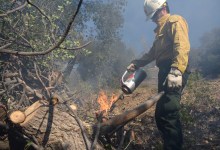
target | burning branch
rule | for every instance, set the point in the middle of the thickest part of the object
(105, 104)
(122, 119)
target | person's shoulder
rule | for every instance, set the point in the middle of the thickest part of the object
(175, 18)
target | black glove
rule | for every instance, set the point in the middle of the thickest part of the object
(132, 67)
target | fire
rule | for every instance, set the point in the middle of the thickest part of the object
(104, 103)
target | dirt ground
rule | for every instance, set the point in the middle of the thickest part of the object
(199, 115)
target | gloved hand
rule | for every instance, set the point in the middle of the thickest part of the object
(174, 80)
(131, 67)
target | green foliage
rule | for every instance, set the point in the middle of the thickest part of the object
(193, 78)
(199, 89)
(33, 30)
(185, 115)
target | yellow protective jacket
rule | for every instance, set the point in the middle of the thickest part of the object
(171, 44)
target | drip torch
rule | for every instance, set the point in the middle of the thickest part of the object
(133, 80)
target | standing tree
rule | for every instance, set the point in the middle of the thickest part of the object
(109, 54)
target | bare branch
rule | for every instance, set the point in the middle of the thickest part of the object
(76, 48)
(36, 70)
(23, 38)
(29, 89)
(5, 46)
(63, 37)
(2, 92)
(29, 2)
(14, 10)
(14, 41)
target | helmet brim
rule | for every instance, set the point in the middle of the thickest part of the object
(150, 15)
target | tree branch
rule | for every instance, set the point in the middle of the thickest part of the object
(63, 37)
(36, 70)
(43, 14)
(5, 46)
(29, 2)
(76, 48)
(23, 38)
(14, 41)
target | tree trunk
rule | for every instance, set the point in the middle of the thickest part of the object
(53, 127)
(69, 67)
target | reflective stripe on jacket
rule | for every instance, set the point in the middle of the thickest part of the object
(171, 43)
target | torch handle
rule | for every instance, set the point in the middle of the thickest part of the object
(122, 78)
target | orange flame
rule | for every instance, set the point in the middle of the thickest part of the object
(104, 103)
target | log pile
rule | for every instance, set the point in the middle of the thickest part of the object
(38, 108)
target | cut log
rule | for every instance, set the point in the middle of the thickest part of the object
(52, 127)
(17, 117)
(120, 120)
(73, 107)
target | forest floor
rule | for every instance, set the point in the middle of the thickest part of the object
(200, 113)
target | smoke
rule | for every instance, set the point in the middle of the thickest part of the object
(210, 53)
(201, 16)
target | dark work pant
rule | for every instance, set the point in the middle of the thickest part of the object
(167, 112)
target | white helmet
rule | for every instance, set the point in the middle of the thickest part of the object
(151, 6)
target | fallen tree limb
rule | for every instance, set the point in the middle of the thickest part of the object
(111, 124)
(9, 75)
(34, 92)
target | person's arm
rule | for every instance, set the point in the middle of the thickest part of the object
(145, 59)
(181, 45)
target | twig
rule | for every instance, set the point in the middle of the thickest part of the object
(87, 143)
(35, 67)
(14, 10)
(3, 84)
(2, 92)
(63, 37)
(43, 14)
(10, 75)
(30, 89)
(5, 46)
(29, 2)
(22, 98)
(14, 41)
(76, 48)
(120, 96)
(122, 140)
(128, 144)
(23, 38)
(97, 131)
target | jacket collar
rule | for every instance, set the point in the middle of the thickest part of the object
(161, 22)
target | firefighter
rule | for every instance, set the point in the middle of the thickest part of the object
(171, 51)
